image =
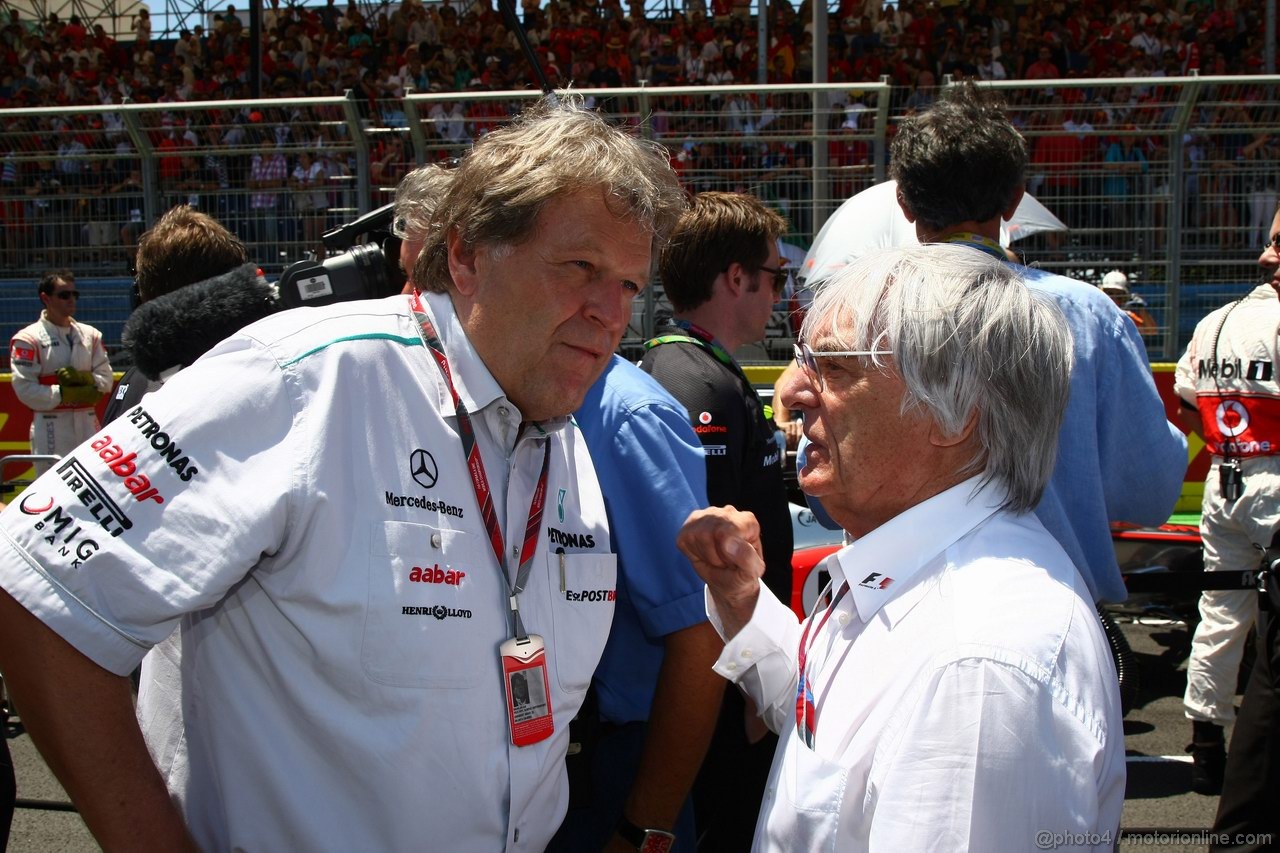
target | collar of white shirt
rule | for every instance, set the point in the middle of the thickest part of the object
(882, 565)
(474, 383)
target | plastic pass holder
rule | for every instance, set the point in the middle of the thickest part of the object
(524, 676)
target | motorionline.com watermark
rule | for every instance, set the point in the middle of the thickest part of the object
(1046, 840)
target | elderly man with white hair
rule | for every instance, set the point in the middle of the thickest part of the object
(953, 690)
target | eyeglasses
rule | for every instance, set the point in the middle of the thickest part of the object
(808, 360)
(68, 294)
(780, 277)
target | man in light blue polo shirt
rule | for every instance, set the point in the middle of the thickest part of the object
(658, 697)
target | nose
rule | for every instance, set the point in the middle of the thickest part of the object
(609, 305)
(1270, 257)
(797, 390)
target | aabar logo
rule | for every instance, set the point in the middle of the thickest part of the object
(875, 580)
(435, 574)
(123, 466)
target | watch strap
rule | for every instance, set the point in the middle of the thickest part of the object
(645, 840)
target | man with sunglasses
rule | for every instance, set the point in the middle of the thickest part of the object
(722, 272)
(60, 369)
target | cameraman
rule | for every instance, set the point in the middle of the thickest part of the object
(416, 197)
(196, 288)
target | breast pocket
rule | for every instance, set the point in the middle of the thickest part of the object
(581, 613)
(426, 614)
(808, 798)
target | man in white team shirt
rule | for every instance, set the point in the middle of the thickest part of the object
(60, 368)
(297, 503)
(956, 691)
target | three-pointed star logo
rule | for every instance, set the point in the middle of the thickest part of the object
(422, 467)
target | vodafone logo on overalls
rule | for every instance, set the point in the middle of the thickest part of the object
(1232, 418)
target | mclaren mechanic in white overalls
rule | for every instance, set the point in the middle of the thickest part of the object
(1228, 385)
(60, 369)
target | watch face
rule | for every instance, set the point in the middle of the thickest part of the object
(657, 842)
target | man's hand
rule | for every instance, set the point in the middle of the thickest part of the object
(71, 376)
(80, 394)
(723, 545)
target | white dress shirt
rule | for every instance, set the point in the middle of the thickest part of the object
(964, 691)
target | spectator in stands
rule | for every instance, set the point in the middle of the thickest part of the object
(311, 200)
(268, 174)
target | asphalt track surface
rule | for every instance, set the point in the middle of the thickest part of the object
(1158, 801)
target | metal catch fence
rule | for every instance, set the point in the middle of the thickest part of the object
(1170, 180)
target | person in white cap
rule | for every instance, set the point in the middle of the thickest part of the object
(1115, 284)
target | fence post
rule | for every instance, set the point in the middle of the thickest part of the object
(364, 192)
(1173, 221)
(147, 156)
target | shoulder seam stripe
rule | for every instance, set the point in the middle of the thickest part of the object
(379, 336)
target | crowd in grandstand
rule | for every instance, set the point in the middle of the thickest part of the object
(441, 47)
(74, 180)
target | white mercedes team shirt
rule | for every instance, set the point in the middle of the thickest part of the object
(965, 694)
(297, 504)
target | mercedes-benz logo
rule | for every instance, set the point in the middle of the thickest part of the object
(422, 466)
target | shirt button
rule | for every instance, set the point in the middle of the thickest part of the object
(504, 411)
(731, 666)
(747, 653)
(435, 540)
(843, 619)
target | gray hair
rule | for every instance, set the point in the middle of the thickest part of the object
(967, 335)
(551, 150)
(416, 198)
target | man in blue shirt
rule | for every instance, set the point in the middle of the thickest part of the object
(960, 168)
(658, 698)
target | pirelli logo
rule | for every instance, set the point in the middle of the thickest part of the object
(95, 498)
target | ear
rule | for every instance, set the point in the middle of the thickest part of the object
(1012, 207)
(906, 211)
(939, 439)
(462, 264)
(735, 278)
